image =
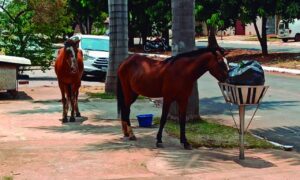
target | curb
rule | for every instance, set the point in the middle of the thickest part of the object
(254, 42)
(281, 70)
(281, 146)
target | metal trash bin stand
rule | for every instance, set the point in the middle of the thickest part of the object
(243, 96)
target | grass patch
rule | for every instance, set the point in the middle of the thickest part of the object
(106, 95)
(101, 95)
(203, 133)
(7, 178)
(269, 39)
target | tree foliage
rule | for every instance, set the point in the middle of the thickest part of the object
(251, 9)
(27, 28)
(217, 16)
(149, 18)
(89, 13)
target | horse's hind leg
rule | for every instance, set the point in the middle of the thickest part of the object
(76, 101)
(76, 105)
(125, 116)
(163, 120)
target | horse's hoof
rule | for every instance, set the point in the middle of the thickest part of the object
(72, 119)
(125, 138)
(132, 138)
(78, 114)
(64, 120)
(159, 145)
(187, 146)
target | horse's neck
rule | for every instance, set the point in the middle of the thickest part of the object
(200, 66)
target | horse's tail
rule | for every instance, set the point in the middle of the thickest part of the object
(120, 96)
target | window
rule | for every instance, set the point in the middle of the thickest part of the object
(281, 26)
(94, 44)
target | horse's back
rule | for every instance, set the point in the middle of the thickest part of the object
(142, 75)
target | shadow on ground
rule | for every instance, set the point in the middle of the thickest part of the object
(78, 127)
(280, 134)
(93, 79)
(173, 154)
(21, 96)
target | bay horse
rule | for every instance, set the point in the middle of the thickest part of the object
(171, 79)
(69, 70)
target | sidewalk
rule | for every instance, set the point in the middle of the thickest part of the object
(35, 145)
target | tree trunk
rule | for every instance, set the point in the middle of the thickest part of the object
(183, 27)
(130, 36)
(165, 34)
(212, 40)
(118, 43)
(263, 37)
(81, 27)
(144, 35)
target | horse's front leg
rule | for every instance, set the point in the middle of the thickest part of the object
(163, 120)
(65, 110)
(182, 121)
(64, 102)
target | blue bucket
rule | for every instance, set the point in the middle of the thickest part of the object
(145, 120)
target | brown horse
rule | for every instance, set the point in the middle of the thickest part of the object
(171, 79)
(69, 70)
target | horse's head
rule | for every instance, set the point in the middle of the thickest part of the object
(71, 49)
(218, 66)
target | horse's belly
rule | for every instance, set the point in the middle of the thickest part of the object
(69, 79)
(148, 90)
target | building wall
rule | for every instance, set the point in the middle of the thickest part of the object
(272, 24)
(250, 30)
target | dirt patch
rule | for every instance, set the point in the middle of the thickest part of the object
(92, 89)
(283, 60)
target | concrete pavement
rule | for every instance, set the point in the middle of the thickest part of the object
(278, 116)
(35, 145)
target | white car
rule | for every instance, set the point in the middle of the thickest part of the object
(95, 54)
(290, 30)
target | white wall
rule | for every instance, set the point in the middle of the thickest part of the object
(250, 30)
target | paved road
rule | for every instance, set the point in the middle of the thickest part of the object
(278, 118)
(293, 47)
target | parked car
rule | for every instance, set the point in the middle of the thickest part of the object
(290, 30)
(95, 54)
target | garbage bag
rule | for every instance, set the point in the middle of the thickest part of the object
(247, 72)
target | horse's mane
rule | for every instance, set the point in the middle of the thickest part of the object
(193, 53)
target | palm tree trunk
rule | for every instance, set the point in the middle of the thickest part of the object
(183, 28)
(118, 43)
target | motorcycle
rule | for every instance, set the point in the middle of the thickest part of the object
(156, 44)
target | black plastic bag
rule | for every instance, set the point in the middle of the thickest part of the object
(246, 73)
